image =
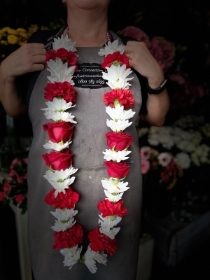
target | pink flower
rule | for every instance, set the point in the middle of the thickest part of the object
(16, 161)
(19, 198)
(163, 51)
(136, 33)
(20, 179)
(145, 152)
(145, 166)
(164, 159)
(6, 187)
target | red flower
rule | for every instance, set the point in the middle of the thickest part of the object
(63, 54)
(119, 141)
(65, 90)
(62, 200)
(2, 196)
(51, 54)
(67, 239)
(6, 187)
(20, 179)
(117, 170)
(59, 131)
(115, 57)
(58, 160)
(19, 198)
(108, 208)
(124, 96)
(101, 242)
(72, 59)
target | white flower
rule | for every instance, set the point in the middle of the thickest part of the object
(114, 185)
(56, 110)
(118, 113)
(183, 160)
(117, 76)
(60, 72)
(113, 197)
(107, 226)
(65, 219)
(56, 146)
(64, 42)
(145, 152)
(90, 258)
(71, 256)
(116, 155)
(164, 159)
(60, 180)
(111, 47)
(143, 131)
(119, 125)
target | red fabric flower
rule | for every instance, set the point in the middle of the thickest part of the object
(19, 198)
(67, 239)
(115, 57)
(124, 96)
(117, 170)
(101, 242)
(65, 90)
(59, 131)
(6, 187)
(119, 141)
(58, 160)
(108, 208)
(62, 200)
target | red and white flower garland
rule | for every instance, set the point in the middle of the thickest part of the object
(61, 96)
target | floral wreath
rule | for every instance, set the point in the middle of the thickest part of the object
(61, 62)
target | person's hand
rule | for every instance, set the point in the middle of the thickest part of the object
(143, 62)
(28, 58)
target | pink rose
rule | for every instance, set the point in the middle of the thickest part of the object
(163, 51)
(59, 131)
(118, 141)
(58, 160)
(136, 33)
(117, 170)
(19, 198)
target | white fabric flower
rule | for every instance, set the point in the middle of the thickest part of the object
(183, 159)
(116, 155)
(107, 226)
(64, 42)
(114, 185)
(60, 72)
(56, 146)
(119, 125)
(117, 76)
(65, 219)
(71, 256)
(118, 113)
(111, 47)
(90, 258)
(164, 159)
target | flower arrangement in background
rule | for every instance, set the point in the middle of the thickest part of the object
(14, 188)
(174, 159)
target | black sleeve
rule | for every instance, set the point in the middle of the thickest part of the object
(142, 80)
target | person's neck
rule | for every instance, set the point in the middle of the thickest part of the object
(88, 29)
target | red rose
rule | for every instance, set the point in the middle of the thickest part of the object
(124, 97)
(119, 141)
(108, 208)
(19, 198)
(65, 90)
(6, 187)
(58, 160)
(59, 131)
(115, 57)
(101, 242)
(62, 200)
(117, 170)
(69, 238)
